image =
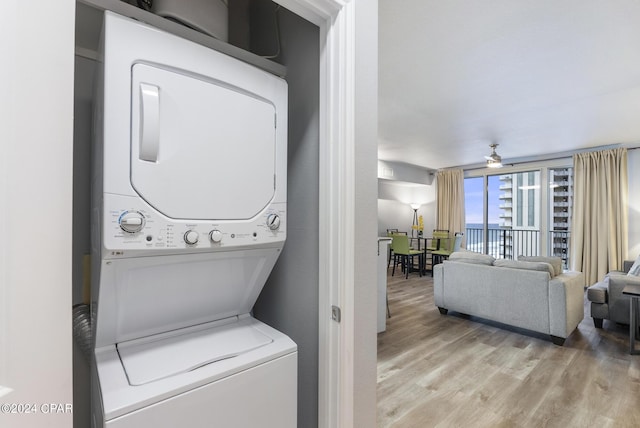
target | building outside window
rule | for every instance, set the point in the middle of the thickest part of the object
(505, 214)
(560, 204)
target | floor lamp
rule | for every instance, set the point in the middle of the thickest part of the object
(414, 225)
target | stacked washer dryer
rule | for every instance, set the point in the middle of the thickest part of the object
(189, 217)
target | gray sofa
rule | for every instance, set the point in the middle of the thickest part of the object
(532, 294)
(607, 300)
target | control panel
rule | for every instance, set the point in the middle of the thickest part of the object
(129, 227)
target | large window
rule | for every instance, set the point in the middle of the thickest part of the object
(483, 231)
(474, 213)
(504, 213)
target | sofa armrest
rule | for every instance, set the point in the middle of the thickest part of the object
(618, 302)
(566, 303)
(597, 293)
(617, 281)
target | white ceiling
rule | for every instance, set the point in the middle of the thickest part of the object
(536, 76)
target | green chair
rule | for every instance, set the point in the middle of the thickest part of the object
(450, 246)
(434, 243)
(390, 233)
(436, 240)
(405, 256)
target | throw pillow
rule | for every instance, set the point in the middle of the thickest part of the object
(635, 269)
(472, 257)
(517, 264)
(556, 262)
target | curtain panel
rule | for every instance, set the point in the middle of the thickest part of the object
(450, 200)
(599, 231)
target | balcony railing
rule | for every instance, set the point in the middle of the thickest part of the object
(511, 243)
(504, 243)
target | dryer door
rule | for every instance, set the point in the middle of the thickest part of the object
(200, 149)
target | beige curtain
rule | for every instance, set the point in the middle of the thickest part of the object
(450, 200)
(599, 225)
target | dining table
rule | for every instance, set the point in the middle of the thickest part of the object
(422, 242)
(423, 245)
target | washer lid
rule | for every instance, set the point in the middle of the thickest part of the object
(158, 357)
(200, 148)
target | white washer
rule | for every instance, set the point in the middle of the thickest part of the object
(189, 217)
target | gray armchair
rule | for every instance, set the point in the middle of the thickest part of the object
(607, 300)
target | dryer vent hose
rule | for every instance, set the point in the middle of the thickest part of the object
(82, 329)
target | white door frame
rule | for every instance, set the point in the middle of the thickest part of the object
(335, 18)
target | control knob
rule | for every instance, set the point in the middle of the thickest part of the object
(273, 221)
(132, 221)
(191, 237)
(215, 236)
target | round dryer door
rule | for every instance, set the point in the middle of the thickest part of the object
(200, 149)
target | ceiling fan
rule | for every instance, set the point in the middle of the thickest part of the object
(494, 160)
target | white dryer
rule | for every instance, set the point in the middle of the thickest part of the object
(189, 217)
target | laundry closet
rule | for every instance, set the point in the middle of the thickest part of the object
(289, 299)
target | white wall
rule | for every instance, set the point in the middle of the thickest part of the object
(366, 243)
(633, 166)
(400, 171)
(35, 208)
(394, 211)
(397, 215)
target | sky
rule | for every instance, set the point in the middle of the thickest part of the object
(473, 194)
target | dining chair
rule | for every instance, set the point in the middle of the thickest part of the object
(451, 246)
(436, 239)
(434, 243)
(390, 233)
(405, 256)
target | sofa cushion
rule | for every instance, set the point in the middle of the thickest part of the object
(597, 293)
(556, 262)
(635, 269)
(626, 265)
(518, 264)
(472, 257)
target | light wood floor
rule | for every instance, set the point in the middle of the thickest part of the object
(454, 371)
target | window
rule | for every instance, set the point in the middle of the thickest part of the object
(510, 207)
(531, 197)
(520, 200)
(484, 214)
(474, 213)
